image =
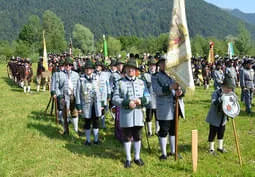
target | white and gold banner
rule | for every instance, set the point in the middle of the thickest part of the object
(45, 57)
(178, 64)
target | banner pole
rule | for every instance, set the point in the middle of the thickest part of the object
(176, 126)
(237, 142)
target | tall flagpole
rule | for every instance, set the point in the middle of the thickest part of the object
(70, 47)
(178, 63)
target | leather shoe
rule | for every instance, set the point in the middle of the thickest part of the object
(162, 157)
(127, 164)
(97, 142)
(65, 133)
(212, 152)
(170, 154)
(87, 143)
(222, 150)
(139, 162)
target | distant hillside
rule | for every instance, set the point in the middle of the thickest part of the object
(119, 17)
(247, 17)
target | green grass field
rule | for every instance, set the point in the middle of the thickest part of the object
(31, 144)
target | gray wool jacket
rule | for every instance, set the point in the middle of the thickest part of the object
(126, 90)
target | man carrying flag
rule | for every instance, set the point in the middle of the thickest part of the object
(174, 76)
(166, 90)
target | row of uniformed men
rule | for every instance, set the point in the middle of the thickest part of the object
(21, 72)
(245, 76)
(88, 94)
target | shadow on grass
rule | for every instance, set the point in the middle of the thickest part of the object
(42, 116)
(9, 82)
(12, 84)
(108, 148)
(14, 87)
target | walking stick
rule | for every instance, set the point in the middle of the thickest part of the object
(52, 107)
(66, 128)
(56, 109)
(176, 126)
(147, 139)
(47, 106)
(237, 143)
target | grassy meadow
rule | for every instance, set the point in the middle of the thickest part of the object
(31, 144)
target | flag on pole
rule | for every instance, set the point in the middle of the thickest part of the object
(105, 47)
(106, 60)
(211, 53)
(230, 50)
(178, 63)
(45, 58)
(70, 46)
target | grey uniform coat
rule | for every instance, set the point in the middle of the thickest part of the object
(230, 71)
(218, 77)
(125, 91)
(164, 98)
(104, 86)
(114, 77)
(247, 78)
(216, 115)
(147, 78)
(74, 78)
(59, 78)
(88, 94)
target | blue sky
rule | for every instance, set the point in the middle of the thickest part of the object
(247, 6)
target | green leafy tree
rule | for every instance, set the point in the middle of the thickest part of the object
(114, 46)
(199, 46)
(54, 32)
(22, 49)
(31, 32)
(83, 38)
(243, 42)
(6, 50)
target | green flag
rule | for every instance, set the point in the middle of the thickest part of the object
(105, 47)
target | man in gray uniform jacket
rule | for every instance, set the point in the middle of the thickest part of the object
(131, 95)
(66, 87)
(247, 81)
(151, 108)
(166, 89)
(104, 88)
(60, 73)
(218, 76)
(88, 100)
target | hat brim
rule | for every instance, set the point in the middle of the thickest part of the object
(131, 66)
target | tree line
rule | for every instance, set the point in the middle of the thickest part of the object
(29, 41)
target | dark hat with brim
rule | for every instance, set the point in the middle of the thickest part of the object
(121, 61)
(68, 61)
(152, 61)
(228, 82)
(61, 62)
(89, 65)
(113, 62)
(162, 58)
(250, 61)
(132, 63)
(99, 63)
